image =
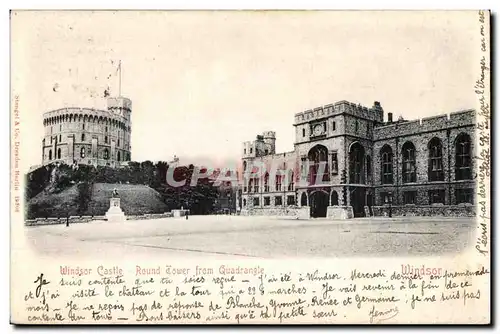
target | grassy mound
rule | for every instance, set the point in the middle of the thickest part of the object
(93, 200)
(135, 199)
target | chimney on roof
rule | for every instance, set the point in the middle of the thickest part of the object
(389, 117)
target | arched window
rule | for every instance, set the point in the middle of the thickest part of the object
(386, 160)
(266, 182)
(244, 202)
(82, 152)
(105, 139)
(278, 183)
(118, 156)
(106, 153)
(83, 136)
(356, 156)
(59, 138)
(244, 166)
(463, 161)
(318, 164)
(409, 164)
(435, 172)
(59, 153)
(50, 154)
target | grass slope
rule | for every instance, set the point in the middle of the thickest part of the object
(135, 200)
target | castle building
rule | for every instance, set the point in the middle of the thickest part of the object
(348, 161)
(88, 136)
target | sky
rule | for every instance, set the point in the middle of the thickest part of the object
(201, 83)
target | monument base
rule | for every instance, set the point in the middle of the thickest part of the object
(115, 213)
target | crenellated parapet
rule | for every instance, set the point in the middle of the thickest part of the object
(374, 113)
(429, 124)
(85, 115)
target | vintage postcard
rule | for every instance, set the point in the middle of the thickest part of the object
(250, 167)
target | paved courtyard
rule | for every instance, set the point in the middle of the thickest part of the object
(234, 237)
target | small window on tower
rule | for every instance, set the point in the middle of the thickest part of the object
(83, 137)
(105, 139)
(333, 126)
(303, 132)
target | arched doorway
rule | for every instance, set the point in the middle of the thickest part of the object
(319, 203)
(318, 165)
(334, 198)
(358, 201)
(303, 199)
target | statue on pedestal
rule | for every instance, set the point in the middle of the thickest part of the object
(115, 213)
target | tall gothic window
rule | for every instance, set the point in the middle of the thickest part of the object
(58, 153)
(82, 152)
(335, 163)
(409, 163)
(386, 160)
(106, 154)
(83, 136)
(435, 172)
(118, 156)
(463, 162)
(356, 157)
(50, 154)
(266, 182)
(278, 182)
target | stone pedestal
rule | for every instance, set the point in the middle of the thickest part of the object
(339, 212)
(115, 213)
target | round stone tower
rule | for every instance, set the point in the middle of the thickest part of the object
(270, 141)
(89, 136)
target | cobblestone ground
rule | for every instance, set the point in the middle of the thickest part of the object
(258, 237)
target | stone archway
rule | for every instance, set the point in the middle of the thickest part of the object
(303, 199)
(334, 198)
(319, 203)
